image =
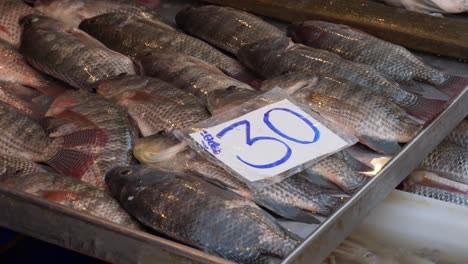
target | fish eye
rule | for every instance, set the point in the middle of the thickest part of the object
(125, 172)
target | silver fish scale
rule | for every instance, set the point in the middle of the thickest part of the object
(389, 59)
(459, 135)
(449, 160)
(15, 166)
(71, 193)
(281, 59)
(64, 56)
(438, 194)
(186, 209)
(377, 117)
(136, 36)
(184, 73)
(298, 192)
(339, 172)
(22, 137)
(239, 28)
(12, 11)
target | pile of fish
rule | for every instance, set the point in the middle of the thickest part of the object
(443, 175)
(89, 89)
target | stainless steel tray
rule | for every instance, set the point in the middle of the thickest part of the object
(118, 244)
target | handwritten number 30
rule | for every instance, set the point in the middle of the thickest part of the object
(266, 119)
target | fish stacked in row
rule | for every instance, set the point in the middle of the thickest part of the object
(82, 80)
(82, 108)
(443, 175)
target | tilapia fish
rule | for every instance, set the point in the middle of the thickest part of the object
(275, 57)
(134, 36)
(73, 12)
(70, 54)
(12, 11)
(337, 171)
(392, 60)
(442, 195)
(24, 175)
(459, 135)
(102, 136)
(189, 210)
(156, 106)
(14, 68)
(294, 198)
(448, 160)
(239, 28)
(187, 73)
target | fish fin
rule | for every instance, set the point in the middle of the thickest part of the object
(426, 108)
(5, 30)
(453, 86)
(205, 65)
(216, 183)
(72, 163)
(154, 23)
(288, 212)
(85, 38)
(71, 117)
(387, 147)
(95, 137)
(143, 97)
(354, 163)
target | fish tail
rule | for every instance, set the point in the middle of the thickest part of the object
(384, 146)
(287, 211)
(72, 161)
(425, 108)
(453, 86)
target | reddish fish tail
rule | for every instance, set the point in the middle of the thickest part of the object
(425, 108)
(453, 86)
(72, 159)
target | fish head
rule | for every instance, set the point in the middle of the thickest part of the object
(157, 148)
(124, 181)
(223, 99)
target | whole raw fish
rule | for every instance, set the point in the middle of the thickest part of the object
(64, 190)
(293, 198)
(73, 12)
(14, 68)
(431, 6)
(136, 36)
(239, 28)
(156, 106)
(439, 194)
(103, 136)
(275, 57)
(12, 11)
(389, 59)
(448, 160)
(376, 122)
(189, 210)
(188, 73)
(70, 54)
(459, 135)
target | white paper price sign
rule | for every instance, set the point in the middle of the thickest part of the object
(269, 141)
